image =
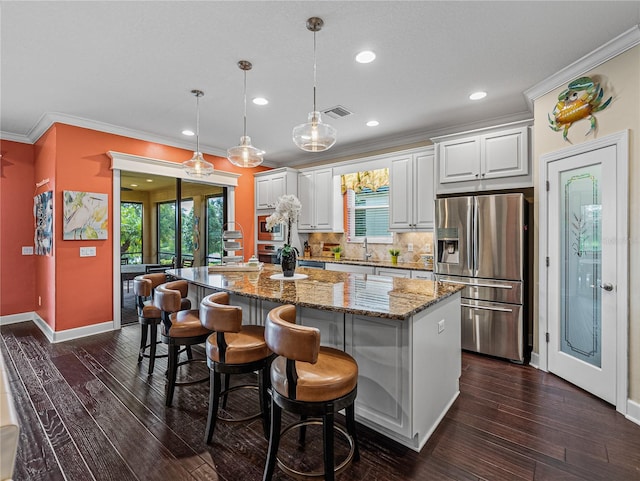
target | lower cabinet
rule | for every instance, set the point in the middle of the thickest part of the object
(355, 269)
(330, 324)
(393, 272)
(381, 349)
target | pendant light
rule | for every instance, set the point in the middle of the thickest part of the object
(245, 154)
(197, 166)
(315, 135)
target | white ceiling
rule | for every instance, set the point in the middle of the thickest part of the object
(129, 67)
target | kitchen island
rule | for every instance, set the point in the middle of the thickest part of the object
(404, 334)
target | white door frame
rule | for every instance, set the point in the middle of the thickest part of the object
(621, 141)
(135, 163)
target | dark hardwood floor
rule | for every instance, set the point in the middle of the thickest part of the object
(89, 412)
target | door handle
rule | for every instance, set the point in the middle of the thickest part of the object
(607, 287)
(499, 309)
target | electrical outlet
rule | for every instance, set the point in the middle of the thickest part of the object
(440, 326)
(410, 247)
(427, 248)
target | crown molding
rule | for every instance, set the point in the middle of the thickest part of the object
(137, 163)
(49, 118)
(23, 139)
(609, 50)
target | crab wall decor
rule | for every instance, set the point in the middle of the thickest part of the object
(581, 99)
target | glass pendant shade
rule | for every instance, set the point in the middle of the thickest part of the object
(245, 154)
(196, 166)
(315, 135)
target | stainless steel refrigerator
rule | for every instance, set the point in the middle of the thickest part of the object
(480, 242)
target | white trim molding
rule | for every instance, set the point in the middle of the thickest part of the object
(621, 142)
(15, 318)
(609, 50)
(136, 163)
(57, 336)
(633, 412)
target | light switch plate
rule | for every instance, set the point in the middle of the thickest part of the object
(87, 251)
(27, 250)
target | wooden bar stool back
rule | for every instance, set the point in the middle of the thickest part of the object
(311, 381)
(149, 316)
(179, 328)
(233, 348)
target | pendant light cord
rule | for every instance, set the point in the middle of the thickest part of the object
(314, 71)
(198, 122)
(245, 104)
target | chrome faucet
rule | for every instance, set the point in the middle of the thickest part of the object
(367, 254)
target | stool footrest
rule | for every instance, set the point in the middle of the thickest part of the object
(317, 474)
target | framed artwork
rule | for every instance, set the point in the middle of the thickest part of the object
(43, 213)
(85, 215)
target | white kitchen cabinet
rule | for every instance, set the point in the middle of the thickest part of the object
(393, 272)
(424, 275)
(271, 184)
(319, 193)
(487, 159)
(354, 269)
(411, 188)
(380, 347)
(330, 324)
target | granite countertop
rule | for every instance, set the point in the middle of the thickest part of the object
(364, 294)
(416, 266)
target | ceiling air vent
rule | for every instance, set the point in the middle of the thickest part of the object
(337, 112)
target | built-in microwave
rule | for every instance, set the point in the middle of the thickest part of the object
(276, 234)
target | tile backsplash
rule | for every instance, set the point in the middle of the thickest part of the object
(422, 244)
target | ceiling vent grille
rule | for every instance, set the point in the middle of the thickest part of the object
(337, 112)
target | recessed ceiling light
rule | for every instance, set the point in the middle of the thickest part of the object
(190, 133)
(373, 123)
(478, 95)
(149, 180)
(366, 56)
(134, 185)
(260, 101)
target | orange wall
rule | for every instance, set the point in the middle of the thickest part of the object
(17, 272)
(76, 291)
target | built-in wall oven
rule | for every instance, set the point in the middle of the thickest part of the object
(268, 253)
(274, 235)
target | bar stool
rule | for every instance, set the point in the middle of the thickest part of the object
(310, 381)
(233, 348)
(179, 328)
(149, 316)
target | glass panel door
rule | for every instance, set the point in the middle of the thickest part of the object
(580, 276)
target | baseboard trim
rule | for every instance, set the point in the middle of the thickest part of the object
(535, 360)
(57, 336)
(15, 318)
(633, 411)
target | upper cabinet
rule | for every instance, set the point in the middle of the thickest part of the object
(319, 193)
(487, 159)
(411, 201)
(272, 184)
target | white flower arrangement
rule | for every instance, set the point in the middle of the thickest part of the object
(288, 209)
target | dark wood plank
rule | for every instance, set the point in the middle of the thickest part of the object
(89, 398)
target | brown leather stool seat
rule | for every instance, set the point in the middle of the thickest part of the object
(233, 348)
(308, 380)
(149, 316)
(179, 328)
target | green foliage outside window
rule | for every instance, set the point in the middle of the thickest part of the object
(131, 231)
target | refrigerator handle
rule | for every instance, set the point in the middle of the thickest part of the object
(499, 309)
(474, 221)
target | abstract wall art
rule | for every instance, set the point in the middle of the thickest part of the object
(85, 215)
(43, 213)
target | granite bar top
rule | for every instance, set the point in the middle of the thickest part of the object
(363, 294)
(415, 266)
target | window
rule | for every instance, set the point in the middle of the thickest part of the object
(367, 206)
(166, 232)
(189, 236)
(131, 232)
(215, 220)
